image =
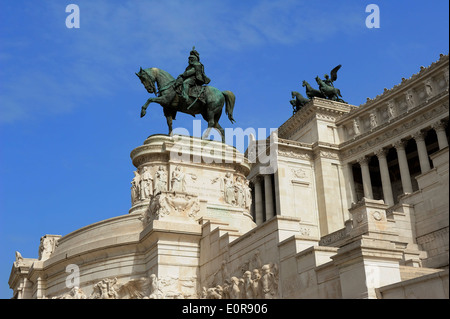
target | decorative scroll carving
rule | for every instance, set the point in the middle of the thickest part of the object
(292, 154)
(172, 203)
(299, 173)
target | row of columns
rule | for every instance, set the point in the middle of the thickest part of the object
(263, 202)
(439, 127)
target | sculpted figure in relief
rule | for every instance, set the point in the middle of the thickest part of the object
(240, 192)
(429, 87)
(256, 286)
(234, 291)
(356, 127)
(104, 290)
(229, 189)
(146, 184)
(268, 283)
(248, 285)
(248, 195)
(46, 247)
(252, 285)
(410, 99)
(155, 292)
(135, 191)
(391, 110)
(160, 180)
(178, 182)
(373, 120)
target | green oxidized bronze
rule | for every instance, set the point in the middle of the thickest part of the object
(187, 94)
(326, 90)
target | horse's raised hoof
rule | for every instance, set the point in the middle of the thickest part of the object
(143, 112)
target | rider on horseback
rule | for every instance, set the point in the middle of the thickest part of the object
(193, 75)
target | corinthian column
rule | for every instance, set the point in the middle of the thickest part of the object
(385, 179)
(367, 183)
(404, 169)
(422, 151)
(439, 127)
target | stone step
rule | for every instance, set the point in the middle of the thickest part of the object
(409, 272)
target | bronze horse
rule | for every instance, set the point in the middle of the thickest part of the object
(210, 107)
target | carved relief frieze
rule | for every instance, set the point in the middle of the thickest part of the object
(172, 204)
(297, 154)
(259, 283)
(141, 288)
(414, 123)
(235, 191)
(150, 158)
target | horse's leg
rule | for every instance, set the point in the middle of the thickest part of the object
(144, 107)
(209, 117)
(162, 100)
(169, 124)
(221, 130)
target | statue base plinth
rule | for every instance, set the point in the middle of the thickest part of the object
(181, 178)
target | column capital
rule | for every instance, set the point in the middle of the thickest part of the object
(399, 145)
(363, 160)
(419, 136)
(438, 126)
(381, 152)
(257, 179)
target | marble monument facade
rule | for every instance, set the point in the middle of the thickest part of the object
(353, 204)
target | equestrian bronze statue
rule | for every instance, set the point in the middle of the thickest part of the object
(187, 94)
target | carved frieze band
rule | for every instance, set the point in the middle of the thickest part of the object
(380, 140)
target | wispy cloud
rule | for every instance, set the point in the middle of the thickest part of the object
(114, 36)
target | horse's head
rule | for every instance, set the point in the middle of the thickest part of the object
(146, 80)
(304, 83)
(294, 94)
(318, 80)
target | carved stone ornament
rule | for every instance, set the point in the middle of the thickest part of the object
(172, 204)
(104, 289)
(47, 246)
(74, 293)
(377, 215)
(260, 283)
(235, 191)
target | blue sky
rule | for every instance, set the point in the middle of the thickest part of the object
(70, 101)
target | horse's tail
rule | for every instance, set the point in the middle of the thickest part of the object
(229, 104)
